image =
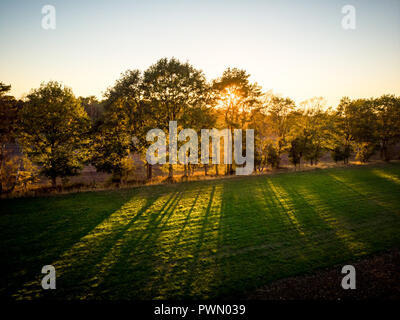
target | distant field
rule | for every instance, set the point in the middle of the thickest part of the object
(199, 239)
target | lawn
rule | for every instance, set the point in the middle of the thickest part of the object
(198, 239)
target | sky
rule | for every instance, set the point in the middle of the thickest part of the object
(295, 48)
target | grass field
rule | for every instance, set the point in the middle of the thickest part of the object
(199, 239)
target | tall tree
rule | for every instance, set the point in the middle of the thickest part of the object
(9, 107)
(129, 90)
(173, 88)
(237, 98)
(53, 131)
(355, 128)
(279, 109)
(311, 124)
(387, 111)
(112, 142)
(201, 117)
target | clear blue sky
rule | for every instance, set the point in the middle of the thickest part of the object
(295, 48)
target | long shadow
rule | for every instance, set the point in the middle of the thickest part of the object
(185, 223)
(327, 232)
(267, 229)
(378, 189)
(36, 226)
(135, 264)
(316, 233)
(187, 288)
(300, 230)
(267, 243)
(78, 264)
(112, 256)
(367, 215)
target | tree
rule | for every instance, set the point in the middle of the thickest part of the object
(202, 116)
(237, 97)
(365, 150)
(272, 158)
(387, 112)
(311, 123)
(111, 143)
(172, 89)
(355, 128)
(18, 172)
(129, 91)
(296, 150)
(279, 110)
(8, 115)
(53, 131)
(93, 107)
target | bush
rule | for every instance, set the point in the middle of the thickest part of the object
(341, 153)
(365, 151)
(17, 173)
(272, 157)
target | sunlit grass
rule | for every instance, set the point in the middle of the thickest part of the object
(199, 239)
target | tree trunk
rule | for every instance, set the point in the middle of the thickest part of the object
(205, 169)
(216, 170)
(54, 182)
(170, 172)
(386, 152)
(2, 148)
(149, 171)
(387, 156)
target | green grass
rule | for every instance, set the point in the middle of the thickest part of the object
(199, 239)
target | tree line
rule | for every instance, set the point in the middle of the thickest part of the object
(60, 133)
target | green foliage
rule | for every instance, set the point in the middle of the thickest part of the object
(16, 173)
(53, 131)
(280, 110)
(236, 97)
(297, 147)
(341, 153)
(111, 142)
(8, 124)
(8, 114)
(127, 93)
(272, 156)
(387, 113)
(365, 151)
(173, 89)
(54, 124)
(93, 107)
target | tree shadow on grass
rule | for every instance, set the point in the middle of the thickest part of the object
(45, 227)
(76, 263)
(375, 188)
(131, 265)
(223, 237)
(275, 234)
(188, 289)
(300, 229)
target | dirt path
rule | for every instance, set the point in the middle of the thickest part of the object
(377, 277)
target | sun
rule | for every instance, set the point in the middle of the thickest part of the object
(230, 96)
